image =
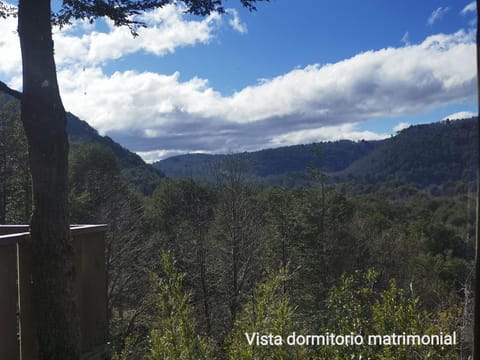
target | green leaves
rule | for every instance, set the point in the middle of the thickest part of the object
(268, 313)
(174, 334)
(7, 10)
(124, 12)
(356, 306)
(15, 179)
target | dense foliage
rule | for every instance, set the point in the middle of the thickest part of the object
(420, 247)
(423, 154)
(143, 176)
(251, 258)
(273, 163)
(15, 179)
(431, 156)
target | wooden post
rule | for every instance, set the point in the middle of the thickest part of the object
(16, 296)
(91, 290)
(28, 338)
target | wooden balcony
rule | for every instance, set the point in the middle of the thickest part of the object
(17, 328)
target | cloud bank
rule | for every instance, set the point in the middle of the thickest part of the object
(167, 29)
(460, 115)
(160, 115)
(157, 112)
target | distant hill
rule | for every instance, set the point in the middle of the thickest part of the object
(140, 174)
(144, 176)
(423, 155)
(272, 163)
(436, 153)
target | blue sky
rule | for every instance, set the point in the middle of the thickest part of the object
(292, 72)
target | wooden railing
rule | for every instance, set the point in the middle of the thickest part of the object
(17, 309)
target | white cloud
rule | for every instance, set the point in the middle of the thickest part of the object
(471, 7)
(133, 100)
(236, 23)
(405, 39)
(325, 133)
(437, 14)
(155, 155)
(372, 84)
(159, 115)
(167, 30)
(401, 126)
(460, 115)
(9, 48)
(146, 110)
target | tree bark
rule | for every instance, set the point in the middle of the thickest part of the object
(44, 121)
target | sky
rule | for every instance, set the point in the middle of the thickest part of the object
(293, 72)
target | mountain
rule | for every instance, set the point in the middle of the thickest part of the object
(429, 154)
(423, 155)
(273, 163)
(140, 174)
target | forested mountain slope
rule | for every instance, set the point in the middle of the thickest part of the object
(423, 155)
(143, 176)
(327, 156)
(140, 174)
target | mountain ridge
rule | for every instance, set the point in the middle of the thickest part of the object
(140, 174)
(423, 154)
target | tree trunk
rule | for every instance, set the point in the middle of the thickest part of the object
(44, 121)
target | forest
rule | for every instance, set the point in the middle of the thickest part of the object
(197, 267)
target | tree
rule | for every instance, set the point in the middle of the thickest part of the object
(358, 306)
(238, 231)
(99, 194)
(44, 120)
(175, 335)
(183, 210)
(268, 310)
(15, 183)
(94, 182)
(283, 226)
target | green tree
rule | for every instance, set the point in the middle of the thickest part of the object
(283, 221)
(268, 311)
(358, 306)
(238, 234)
(94, 176)
(44, 120)
(99, 193)
(15, 181)
(183, 211)
(174, 336)
(324, 247)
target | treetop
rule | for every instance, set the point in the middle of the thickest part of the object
(123, 12)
